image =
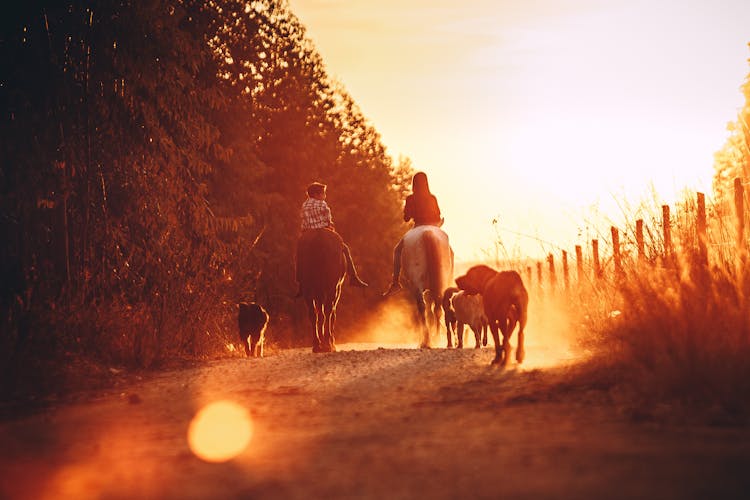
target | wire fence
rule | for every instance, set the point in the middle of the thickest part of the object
(709, 237)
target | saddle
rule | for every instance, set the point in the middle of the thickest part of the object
(320, 259)
(324, 235)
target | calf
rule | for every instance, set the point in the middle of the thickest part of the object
(462, 308)
(470, 311)
(252, 319)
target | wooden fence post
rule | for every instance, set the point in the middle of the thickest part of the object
(616, 251)
(666, 228)
(529, 275)
(539, 274)
(739, 208)
(566, 278)
(597, 266)
(639, 241)
(552, 276)
(579, 263)
(700, 224)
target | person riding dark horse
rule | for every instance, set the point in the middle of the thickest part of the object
(422, 206)
(321, 270)
(316, 214)
(323, 262)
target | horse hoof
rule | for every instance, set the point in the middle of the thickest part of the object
(425, 346)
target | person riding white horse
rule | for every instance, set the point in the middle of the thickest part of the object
(422, 207)
(426, 257)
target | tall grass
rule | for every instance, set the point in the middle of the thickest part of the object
(671, 335)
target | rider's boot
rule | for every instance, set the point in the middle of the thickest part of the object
(395, 287)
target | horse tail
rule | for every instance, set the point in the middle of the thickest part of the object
(434, 265)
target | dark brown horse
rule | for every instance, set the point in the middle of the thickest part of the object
(321, 268)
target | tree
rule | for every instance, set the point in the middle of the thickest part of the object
(155, 155)
(733, 160)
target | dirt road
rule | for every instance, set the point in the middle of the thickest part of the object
(368, 423)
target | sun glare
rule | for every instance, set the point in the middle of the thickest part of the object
(552, 114)
(220, 431)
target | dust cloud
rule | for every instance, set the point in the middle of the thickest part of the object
(551, 331)
(391, 324)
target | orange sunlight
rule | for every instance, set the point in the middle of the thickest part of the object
(540, 115)
(550, 335)
(220, 431)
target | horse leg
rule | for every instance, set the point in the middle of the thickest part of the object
(319, 328)
(329, 316)
(449, 334)
(496, 338)
(331, 324)
(332, 317)
(260, 344)
(437, 313)
(430, 319)
(323, 327)
(421, 313)
(314, 323)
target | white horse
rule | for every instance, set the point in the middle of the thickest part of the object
(427, 266)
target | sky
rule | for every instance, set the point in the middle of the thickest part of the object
(539, 122)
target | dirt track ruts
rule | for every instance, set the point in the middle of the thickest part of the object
(375, 423)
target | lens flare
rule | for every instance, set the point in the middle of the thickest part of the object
(220, 431)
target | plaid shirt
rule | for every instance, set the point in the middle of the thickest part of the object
(315, 214)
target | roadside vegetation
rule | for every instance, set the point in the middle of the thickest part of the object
(153, 161)
(154, 158)
(668, 337)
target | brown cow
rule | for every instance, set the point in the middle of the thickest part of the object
(506, 303)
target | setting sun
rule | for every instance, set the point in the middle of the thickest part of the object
(538, 113)
(220, 431)
(375, 249)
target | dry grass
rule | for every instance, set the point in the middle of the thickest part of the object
(671, 336)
